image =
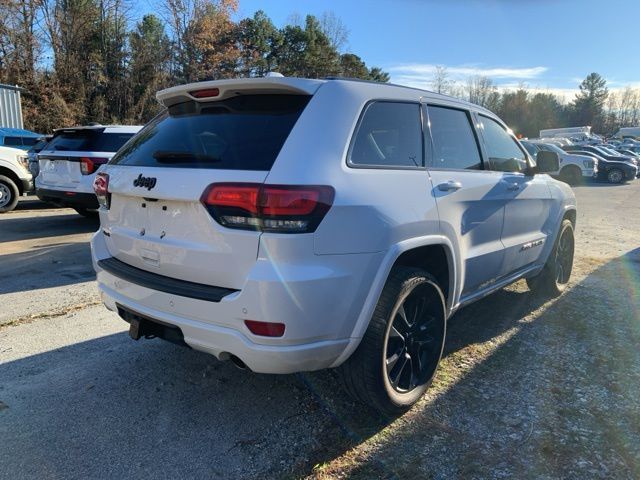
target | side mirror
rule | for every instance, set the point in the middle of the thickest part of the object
(547, 162)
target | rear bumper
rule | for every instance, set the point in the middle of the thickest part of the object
(68, 198)
(319, 307)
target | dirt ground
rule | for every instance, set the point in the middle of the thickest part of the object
(526, 389)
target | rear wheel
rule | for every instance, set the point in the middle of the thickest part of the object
(9, 194)
(553, 279)
(571, 175)
(615, 175)
(397, 358)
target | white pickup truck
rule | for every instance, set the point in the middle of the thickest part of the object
(15, 178)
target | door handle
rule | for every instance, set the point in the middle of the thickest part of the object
(449, 186)
(513, 186)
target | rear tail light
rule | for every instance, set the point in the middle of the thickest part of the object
(101, 187)
(89, 165)
(206, 93)
(265, 329)
(268, 208)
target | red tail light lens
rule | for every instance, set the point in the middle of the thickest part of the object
(265, 329)
(101, 188)
(268, 208)
(89, 165)
(243, 197)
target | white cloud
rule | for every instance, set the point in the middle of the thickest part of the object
(462, 71)
(420, 75)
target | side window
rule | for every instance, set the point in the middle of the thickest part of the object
(29, 141)
(389, 135)
(13, 141)
(504, 153)
(454, 143)
(531, 148)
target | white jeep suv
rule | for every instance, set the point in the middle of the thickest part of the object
(69, 161)
(293, 225)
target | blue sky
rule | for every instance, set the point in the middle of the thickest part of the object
(546, 44)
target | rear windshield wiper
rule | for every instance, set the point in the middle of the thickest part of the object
(165, 156)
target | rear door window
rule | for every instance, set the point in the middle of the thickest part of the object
(241, 133)
(389, 135)
(454, 144)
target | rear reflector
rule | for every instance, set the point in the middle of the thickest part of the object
(101, 188)
(205, 93)
(265, 329)
(269, 208)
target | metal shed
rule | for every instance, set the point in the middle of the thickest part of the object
(10, 106)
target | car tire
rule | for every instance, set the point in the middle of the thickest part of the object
(86, 213)
(380, 373)
(554, 277)
(9, 194)
(615, 175)
(571, 175)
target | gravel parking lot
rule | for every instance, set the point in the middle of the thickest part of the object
(527, 388)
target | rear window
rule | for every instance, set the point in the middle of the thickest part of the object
(240, 133)
(88, 141)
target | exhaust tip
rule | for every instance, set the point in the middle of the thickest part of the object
(238, 363)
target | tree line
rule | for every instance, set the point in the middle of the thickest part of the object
(527, 112)
(83, 61)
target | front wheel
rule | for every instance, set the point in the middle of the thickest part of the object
(554, 277)
(571, 175)
(615, 175)
(9, 194)
(397, 358)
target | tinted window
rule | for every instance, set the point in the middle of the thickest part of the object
(549, 147)
(39, 146)
(241, 133)
(453, 141)
(504, 153)
(29, 141)
(390, 135)
(532, 149)
(13, 141)
(88, 141)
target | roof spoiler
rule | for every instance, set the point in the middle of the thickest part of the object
(222, 89)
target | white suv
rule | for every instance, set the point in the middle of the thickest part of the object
(15, 177)
(69, 161)
(292, 225)
(573, 168)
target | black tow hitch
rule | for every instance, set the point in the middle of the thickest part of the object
(142, 326)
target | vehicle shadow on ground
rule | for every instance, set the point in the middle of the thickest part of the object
(533, 404)
(14, 228)
(33, 203)
(555, 397)
(603, 183)
(52, 265)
